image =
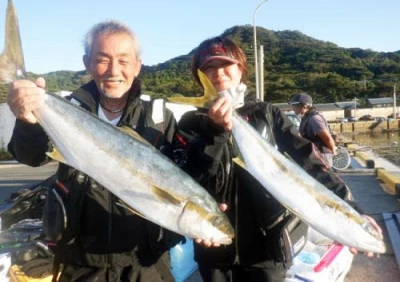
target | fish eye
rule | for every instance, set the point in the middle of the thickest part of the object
(216, 220)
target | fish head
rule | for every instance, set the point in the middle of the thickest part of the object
(376, 243)
(12, 64)
(355, 230)
(208, 220)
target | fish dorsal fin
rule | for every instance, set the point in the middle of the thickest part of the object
(165, 196)
(128, 130)
(205, 101)
(56, 155)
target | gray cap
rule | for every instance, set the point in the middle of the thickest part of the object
(301, 98)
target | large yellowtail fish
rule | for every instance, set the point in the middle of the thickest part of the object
(147, 182)
(293, 187)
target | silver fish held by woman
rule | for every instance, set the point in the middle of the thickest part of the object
(293, 187)
(147, 182)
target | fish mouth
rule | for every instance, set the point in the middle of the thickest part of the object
(218, 220)
(226, 241)
(221, 222)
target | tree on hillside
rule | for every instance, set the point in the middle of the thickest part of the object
(293, 62)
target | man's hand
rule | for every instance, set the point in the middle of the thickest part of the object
(208, 243)
(24, 97)
(335, 150)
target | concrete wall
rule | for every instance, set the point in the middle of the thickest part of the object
(7, 121)
(375, 112)
(365, 126)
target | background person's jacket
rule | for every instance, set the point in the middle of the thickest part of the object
(100, 233)
(255, 215)
(306, 131)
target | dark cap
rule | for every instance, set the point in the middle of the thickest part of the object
(215, 52)
(301, 98)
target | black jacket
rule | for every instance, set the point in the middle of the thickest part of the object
(100, 232)
(251, 210)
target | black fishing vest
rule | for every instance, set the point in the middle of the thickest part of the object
(305, 130)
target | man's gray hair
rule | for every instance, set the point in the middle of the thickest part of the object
(109, 27)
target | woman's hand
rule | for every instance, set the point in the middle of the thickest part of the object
(378, 229)
(221, 113)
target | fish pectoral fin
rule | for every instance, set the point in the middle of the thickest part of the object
(56, 155)
(205, 101)
(131, 132)
(125, 206)
(165, 196)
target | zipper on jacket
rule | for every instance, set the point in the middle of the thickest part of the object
(110, 205)
(237, 259)
(236, 200)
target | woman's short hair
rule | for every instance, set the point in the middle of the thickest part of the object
(218, 48)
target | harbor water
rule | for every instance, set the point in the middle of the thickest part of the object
(383, 144)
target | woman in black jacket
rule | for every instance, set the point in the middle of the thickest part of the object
(258, 252)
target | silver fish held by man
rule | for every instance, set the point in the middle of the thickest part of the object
(148, 183)
(293, 187)
(133, 170)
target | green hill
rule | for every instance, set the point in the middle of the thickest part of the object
(292, 62)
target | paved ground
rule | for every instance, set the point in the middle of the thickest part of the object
(15, 176)
(373, 201)
(365, 187)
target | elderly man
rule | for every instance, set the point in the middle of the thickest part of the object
(103, 241)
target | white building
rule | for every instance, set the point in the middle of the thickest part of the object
(7, 121)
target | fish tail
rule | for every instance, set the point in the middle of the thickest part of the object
(12, 63)
(205, 101)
